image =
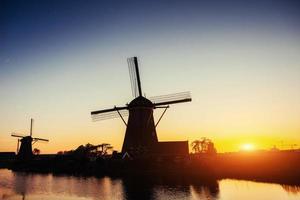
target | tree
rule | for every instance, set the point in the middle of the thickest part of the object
(89, 150)
(196, 146)
(93, 150)
(36, 151)
(104, 148)
(204, 145)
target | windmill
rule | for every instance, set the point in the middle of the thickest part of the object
(140, 135)
(25, 150)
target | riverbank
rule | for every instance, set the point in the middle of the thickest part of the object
(276, 167)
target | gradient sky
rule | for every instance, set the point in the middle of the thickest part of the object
(59, 60)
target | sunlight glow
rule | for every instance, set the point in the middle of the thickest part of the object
(247, 147)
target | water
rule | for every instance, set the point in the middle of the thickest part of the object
(15, 186)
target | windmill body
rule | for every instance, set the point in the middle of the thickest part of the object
(140, 136)
(140, 133)
(25, 150)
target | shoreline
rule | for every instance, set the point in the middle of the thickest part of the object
(271, 167)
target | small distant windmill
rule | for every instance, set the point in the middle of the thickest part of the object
(25, 150)
(140, 132)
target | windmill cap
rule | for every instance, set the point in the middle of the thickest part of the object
(27, 138)
(140, 102)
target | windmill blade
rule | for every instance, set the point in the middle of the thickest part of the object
(108, 110)
(15, 135)
(31, 125)
(40, 139)
(134, 77)
(171, 98)
(109, 113)
(18, 144)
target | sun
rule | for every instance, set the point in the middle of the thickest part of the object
(247, 147)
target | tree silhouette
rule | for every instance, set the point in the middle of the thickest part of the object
(36, 151)
(204, 145)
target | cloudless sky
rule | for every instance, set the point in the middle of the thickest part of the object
(59, 60)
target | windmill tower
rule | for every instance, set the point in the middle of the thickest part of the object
(140, 135)
(25, 150)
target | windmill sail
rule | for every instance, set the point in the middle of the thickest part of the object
(40, 139)
(134, 77)
(31, 125)
(17, 135)
(109, 113)
(171, 98)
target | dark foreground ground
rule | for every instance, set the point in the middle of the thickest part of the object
(278, 167)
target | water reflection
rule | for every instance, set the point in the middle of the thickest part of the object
(85, 187)
(150, 188)
(209, 192)
(16, 186)
(135, 189)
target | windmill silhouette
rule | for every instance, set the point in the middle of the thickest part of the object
(25, 150)
(140, 135)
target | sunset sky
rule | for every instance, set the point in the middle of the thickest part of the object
(60, 60)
